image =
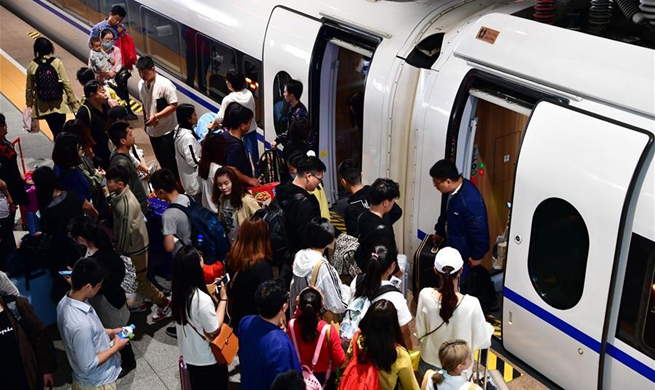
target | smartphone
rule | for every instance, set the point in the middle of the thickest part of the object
(66, 273)
(225, 280)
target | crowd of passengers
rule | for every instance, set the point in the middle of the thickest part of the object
(303, 315)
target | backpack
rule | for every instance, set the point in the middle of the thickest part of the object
(311, 383)
(271, 166)
(273, 214)
(47, 83)
(356, 310)
(343, 258)
(129, 282)
(358, 375)
(207, 231)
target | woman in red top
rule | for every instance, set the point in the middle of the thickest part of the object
(304, 331)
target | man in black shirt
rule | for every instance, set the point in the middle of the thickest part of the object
(238, 120)
(370, 224)
(297, 111)
(350, 174)
(93, 113)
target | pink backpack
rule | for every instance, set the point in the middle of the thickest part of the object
(308, 372)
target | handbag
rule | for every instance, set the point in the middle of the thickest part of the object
(224, 346)
(122, 76)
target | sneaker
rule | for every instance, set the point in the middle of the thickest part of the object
(139, 309)
(172, 331)
(162, 311)
(126, 370)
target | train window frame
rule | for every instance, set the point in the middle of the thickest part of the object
(632, 325)
(236, 54)
(570, 249)
(259, 97)
(159, 60)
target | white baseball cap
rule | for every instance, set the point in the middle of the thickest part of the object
(448, 257)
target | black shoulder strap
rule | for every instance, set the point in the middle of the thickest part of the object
(385, 289)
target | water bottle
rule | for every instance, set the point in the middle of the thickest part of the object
(199, 241)
(127, 332)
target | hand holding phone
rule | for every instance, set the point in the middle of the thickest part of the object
(66, 273)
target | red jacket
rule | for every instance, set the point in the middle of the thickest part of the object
(331, 349)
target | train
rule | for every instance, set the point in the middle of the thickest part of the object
(548, 107)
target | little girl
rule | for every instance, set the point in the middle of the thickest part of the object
(455, 356)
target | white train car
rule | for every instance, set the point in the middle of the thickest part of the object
(554, 123)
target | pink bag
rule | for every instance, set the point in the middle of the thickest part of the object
(185, 379)
(311, 382)
(30, 125)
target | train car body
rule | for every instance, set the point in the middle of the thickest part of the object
(553, 125)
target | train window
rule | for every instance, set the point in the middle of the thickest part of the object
(557, 259)
(162, 40)
(219, 58)
(280, 106)
(77, 8)
(636, 323)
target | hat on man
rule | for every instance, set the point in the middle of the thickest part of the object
(118, 112)
(448, 257)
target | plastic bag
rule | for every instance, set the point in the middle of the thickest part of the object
(29, 124)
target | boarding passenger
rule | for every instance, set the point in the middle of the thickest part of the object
(131, 235)
(238, 121)
(292, 92)
(121, 114)
(47, 90)
(113, 22)
(298, 204)
(159, 101)
(382, 265)
(84, 75)
(264, 349)
(13, 191)
(99, 60)
(444, 313)
(298, 134)
(235, 204)
(350, 175)
(27, 353)
(380, 342)
(307, 330)
(371, 226)
(197, 320)
(311, 268)
(465, 216)
(176, 226)
(67, 156)
(117, 73)
(239, 92)
(212, 158)
(88, 344)
(109, 303)
(456, 357)
(249, 259)
(318, 192)
(122, 137)
(94, 113)
(187, 150)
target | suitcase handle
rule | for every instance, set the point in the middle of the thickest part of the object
(435, 248)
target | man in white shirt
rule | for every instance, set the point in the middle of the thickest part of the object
(239, 92)
(159, 101)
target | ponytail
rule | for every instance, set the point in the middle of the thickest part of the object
(448, 294)
(452, 353)
(310, 303)
(379, 262)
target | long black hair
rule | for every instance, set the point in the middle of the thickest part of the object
(381, 333)
(310, 303)
(45, 182)
(84, 227)
(448, 294)
(187, 277)
(379, 262)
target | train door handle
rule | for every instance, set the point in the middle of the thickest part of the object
(518, 239)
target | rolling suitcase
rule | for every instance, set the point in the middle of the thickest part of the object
(424, 275)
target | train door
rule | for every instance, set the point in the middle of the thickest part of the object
(575, 188)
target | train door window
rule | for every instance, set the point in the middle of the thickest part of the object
(280, 106)
(162, 41)
(252, 71)
(557, 259)
(219, 59)
(636, 323)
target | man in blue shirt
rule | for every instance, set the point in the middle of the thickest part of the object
(90, 353)
(114, 22)
(464, 222)
(264, 348)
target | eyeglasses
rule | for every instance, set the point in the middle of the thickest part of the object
(436, 183)
(320, 179)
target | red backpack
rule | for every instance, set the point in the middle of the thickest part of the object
(358, 376)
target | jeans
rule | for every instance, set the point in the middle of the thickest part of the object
(164, 148)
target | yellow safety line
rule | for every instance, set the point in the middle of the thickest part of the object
(508, 373)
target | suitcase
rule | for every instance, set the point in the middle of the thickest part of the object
(37, 288)
(424, 275)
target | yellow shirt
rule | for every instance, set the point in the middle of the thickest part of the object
(319, 193)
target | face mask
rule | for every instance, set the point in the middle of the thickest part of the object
(108, 45)
(293, 176)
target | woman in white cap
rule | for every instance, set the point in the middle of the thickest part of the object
(444, 313)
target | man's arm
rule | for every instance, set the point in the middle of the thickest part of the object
(477, 228)
(169, 243)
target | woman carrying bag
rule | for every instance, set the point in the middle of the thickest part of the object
(197, 320)
(444, 313)
(317, 343)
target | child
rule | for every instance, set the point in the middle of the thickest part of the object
(455, 356)
(99, 60)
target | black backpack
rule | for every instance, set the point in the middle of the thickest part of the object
(273, 214)
(47, 83)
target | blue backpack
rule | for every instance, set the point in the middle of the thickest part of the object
(207, 232)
